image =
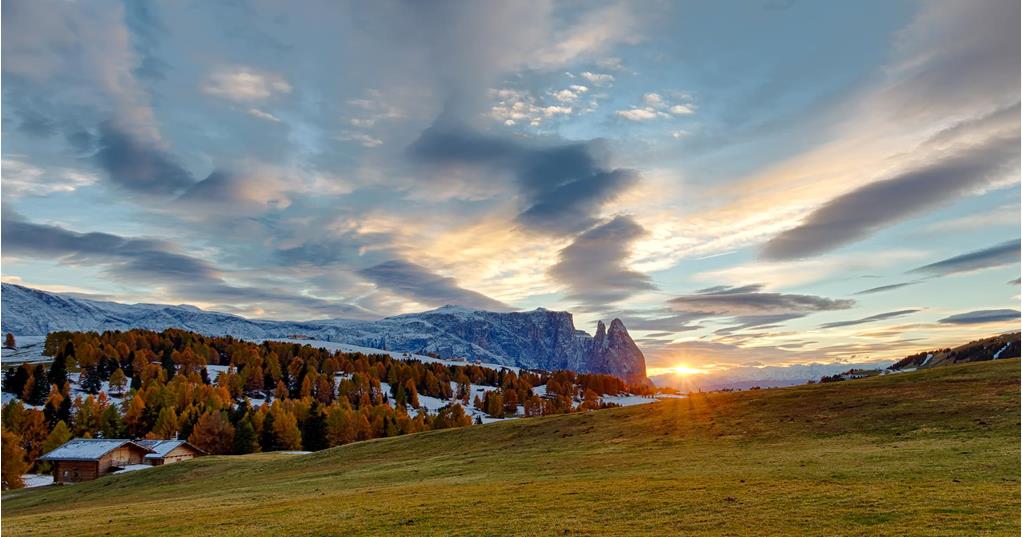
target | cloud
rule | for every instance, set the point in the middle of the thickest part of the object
(982, 316)
(861, 212)
(562, 185)
(513, 107)
(159, 264)
(426, 287)
(244, 84)
(995, 256)
(637, 114)
(751, 300)
(255, 112)
(597, 79)
(770, 320)
(593, 266)
(655, 106)
(870, 319)
(884, 288)
(24, 179)
(138, 166)
(363, 139)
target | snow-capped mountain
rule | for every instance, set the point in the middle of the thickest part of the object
(539, 339)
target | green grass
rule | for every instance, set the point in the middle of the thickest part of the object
(930, 453)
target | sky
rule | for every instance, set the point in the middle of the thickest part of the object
(752, 183)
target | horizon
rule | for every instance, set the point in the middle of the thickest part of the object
(735, 197)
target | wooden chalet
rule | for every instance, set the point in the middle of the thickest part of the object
(85, 459)
(169, 451)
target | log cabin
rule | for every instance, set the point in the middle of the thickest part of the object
(169, 451)
(85, 459)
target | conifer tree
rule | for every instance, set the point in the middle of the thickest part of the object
(314, 429)
(12, 461)
(118, 381)
(40, 387)
(166, 426)
(244, 437)
(110, 423)
(58, 370)
(58, 436)
(267, 440)
(89, 380)
(213, 433)
(167, 362)
(285, 431)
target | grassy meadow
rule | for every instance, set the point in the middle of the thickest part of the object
(931, 453)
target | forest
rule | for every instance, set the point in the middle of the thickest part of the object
(269, 396)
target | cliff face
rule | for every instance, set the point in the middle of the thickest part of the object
(614, 353)
(538, 339)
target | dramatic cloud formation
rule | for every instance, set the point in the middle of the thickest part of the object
(158, 263)
(137, 166)
(563, 185)
(369, 159)
(593, 266)
(855, 215)
(870, 319)
(420, 284)
(996, 256)
(982, 316)
(751, 300)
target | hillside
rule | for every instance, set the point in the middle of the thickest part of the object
(538, 339)
(932, 452)
(991, 348)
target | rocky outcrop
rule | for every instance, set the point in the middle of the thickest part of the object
(538, 339)
(613, 352)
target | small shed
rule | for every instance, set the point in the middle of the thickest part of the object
(85, 459)
(169, 451)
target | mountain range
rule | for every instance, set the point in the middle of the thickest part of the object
(538, 339)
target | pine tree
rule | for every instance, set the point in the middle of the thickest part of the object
(89, 380)
(8, 382)
(110, 423)
(58, 370)
(167, 362)
(9, 341)
(314, 429)
(244, 437)
(267, 440)
(40, 388)
(21, 377)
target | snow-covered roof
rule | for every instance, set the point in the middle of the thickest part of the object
(162, 447)
(87, 449)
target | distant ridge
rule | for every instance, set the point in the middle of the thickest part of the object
(539, 339)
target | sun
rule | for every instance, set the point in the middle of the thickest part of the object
(680, 370)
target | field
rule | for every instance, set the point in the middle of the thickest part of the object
(933, 452)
